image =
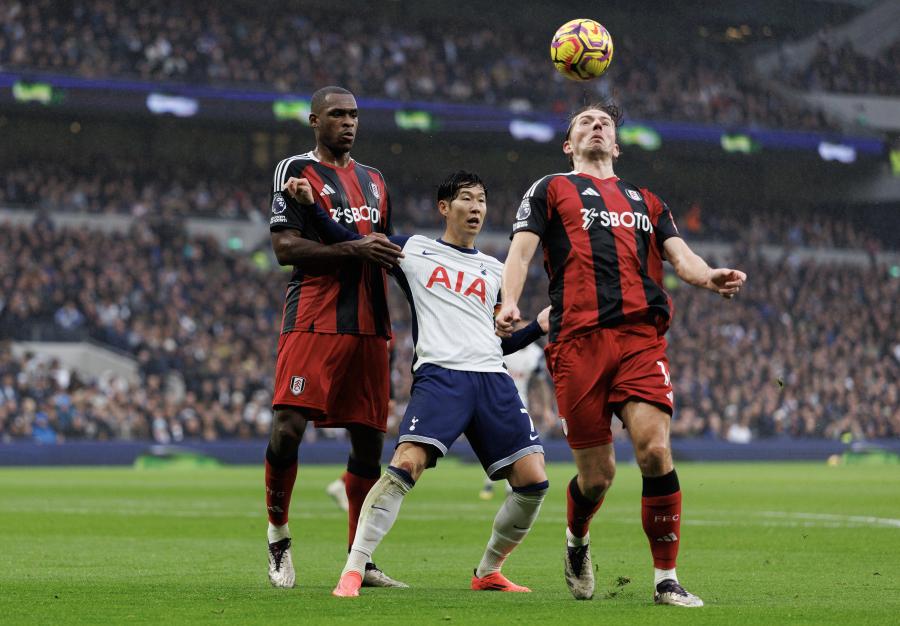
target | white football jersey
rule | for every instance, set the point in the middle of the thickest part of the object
(521, 365)
(452, 293)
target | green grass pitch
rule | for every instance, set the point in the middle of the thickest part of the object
(761, 544)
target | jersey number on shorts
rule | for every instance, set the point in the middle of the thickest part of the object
(662, 367)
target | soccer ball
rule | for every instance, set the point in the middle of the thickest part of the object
(581, 49)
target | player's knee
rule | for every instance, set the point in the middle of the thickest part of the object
(366, 444)
(287, 427)
(411, 467)
(654, 459)
(413, 459)
(596, 482)
(528, 470)
(596, 486)
(533, 492)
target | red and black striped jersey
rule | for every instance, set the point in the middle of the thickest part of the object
(603, 250)
(352, 298)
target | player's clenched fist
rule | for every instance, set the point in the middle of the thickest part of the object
(506, 318)
(299, 189)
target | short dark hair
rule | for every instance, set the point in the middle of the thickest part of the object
(608, 107)
(318, 98)
(455, 182)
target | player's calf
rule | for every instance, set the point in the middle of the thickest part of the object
(511, 525)
(379, 512)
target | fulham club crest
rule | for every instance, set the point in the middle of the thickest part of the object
(298, 384)
(375, 191)
(634, 195)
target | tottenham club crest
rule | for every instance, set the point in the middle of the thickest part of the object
(375, 191)
(524, 210)
(634, 195)
(278, 204)
(298, 384)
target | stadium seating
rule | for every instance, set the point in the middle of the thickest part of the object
(219, 44)
(781, 365)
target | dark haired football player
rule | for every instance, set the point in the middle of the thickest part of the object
(460, 384)
(332, 366)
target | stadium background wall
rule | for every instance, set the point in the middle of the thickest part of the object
(324, 451)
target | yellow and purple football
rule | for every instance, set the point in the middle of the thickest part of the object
(581, 49)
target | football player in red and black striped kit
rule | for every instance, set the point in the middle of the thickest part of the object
(604, 241)
(332, 365)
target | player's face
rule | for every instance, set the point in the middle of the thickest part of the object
(336, 123)
(593, 136)
(465, 213)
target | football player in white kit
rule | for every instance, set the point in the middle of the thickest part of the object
(460, 383)
(524, 366)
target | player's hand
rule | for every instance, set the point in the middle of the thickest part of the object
(299, 189)
(506, 319)
(726, 282)
(377, 248)
(543, 320)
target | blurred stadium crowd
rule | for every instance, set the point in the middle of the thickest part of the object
(843, 69)
(810, 350)
(121, 186)
(224, 45)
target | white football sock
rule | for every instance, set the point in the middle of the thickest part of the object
(660, 575)
(575, 542)
(513, 521)
(378, 514)
(277, 533)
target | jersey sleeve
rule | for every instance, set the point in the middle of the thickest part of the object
(663, 222)
(521, 338)
(400, 240)
(532, 213)
(285, 212)
(397, 270)
(329, 230)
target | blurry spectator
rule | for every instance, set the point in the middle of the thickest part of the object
(68, 318)
(41, 430)
(840, 68)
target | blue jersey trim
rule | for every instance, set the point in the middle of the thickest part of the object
(512, 458)
(460, 248)
(400, 240)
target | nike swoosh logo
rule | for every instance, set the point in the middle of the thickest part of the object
(427, 253)
(533, 437)
(519, 527)
(381, 508)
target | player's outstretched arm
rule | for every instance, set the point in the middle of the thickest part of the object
(693, 270)
(343, 243)
(528, 334)
(515, 270)
(291, 248)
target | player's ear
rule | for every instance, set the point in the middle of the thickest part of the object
(313, 120)
(443, 207)
(567, 147)
(616, 151)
